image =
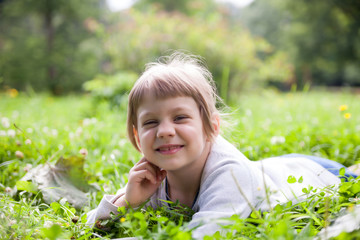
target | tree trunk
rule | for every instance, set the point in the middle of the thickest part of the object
(50, 34)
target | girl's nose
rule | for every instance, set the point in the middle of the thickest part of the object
(165, 129)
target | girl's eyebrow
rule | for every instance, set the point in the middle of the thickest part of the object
(175, 109)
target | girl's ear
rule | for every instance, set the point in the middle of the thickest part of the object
(136, 137)
(215, 121)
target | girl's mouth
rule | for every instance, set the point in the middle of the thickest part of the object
(169, 149)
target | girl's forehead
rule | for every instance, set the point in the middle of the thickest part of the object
(154, 103)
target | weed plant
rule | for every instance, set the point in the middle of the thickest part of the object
(264, 125)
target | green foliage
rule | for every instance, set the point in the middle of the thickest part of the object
(188, 7)
(46, 44)
(58, 45)
(162, 223)
(264, 125)
(113, 88)
(321, 38)
(26, 186)
(236, 59)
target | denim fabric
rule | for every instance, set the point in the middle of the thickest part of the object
(329, 165)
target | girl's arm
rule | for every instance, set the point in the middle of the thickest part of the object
(144, 179)
(105, 207)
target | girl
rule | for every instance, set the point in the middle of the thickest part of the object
(173, 122)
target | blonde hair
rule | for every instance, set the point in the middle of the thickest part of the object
(172, 76)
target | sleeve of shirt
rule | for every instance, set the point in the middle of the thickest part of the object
(229, 189)
(105, 207)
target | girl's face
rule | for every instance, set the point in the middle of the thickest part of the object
(170, 132)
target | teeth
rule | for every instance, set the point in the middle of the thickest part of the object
(168, 148)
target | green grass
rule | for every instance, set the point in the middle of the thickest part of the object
(263, 125)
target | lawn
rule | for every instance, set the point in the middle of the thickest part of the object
(260, 125)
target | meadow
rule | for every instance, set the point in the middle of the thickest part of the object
(40, 129)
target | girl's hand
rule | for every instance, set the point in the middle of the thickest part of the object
(144, 179)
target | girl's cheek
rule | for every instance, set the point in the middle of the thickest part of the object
(144, 138)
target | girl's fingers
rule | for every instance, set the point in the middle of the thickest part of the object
(146, 166)
(142, 175)
(160, 175)
(142, 160)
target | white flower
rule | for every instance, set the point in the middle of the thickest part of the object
(45, 129)
(12, 222)
(11, 133)
(289, 118)
(116, 152)
(315, 121)
(15, 114)
(89, 121)
(122, 142)
(86, 121)
(28, 167)
(83, 151)
(54, 132)
(5, 122)
(71, 135)
(93, 120)
(96, 151)
(27, 141)
(19, 154)
(106, 188)
(29, 130)
(63, 201)
(48, 224)
(277, 140)
(2, 133)
(79, 131)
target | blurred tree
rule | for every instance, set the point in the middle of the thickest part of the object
(322, 37)
(237, 60)
(45, 43)
(187, 7)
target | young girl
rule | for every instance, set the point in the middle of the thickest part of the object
(173, 122)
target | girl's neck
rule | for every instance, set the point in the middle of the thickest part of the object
(184, 184)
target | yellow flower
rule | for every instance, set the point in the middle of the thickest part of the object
(122, 219)
(12, 92)
(343, 108)
(347, 115)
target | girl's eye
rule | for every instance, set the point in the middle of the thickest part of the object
(149, 123)
(179, 118)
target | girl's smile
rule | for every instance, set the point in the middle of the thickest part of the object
(169, 148)
(170, 132)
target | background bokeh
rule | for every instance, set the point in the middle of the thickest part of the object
(56, 46)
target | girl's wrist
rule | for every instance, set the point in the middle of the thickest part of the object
(121, 202)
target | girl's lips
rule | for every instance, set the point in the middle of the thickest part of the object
(169, 149)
